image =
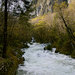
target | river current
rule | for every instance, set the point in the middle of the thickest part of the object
(41, 62)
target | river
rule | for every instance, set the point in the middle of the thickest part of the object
(40, 62)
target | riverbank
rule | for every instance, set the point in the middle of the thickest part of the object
(57, 28)
(41, 62)
(9, 65)
(67, 49)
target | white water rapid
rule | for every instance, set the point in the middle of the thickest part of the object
(40, 62)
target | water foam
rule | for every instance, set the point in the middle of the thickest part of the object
(40, 62)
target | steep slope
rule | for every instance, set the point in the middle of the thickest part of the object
(51, 28)
(15, 5)
(44, 6)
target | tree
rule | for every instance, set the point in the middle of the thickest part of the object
(60, 9)
(5, 32)
(6, 3)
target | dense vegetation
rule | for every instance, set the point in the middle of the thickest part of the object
(18, 34)
(57, 28)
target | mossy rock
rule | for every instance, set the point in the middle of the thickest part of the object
(56, 51)
(31, 43)
(48, 47)
(25, 45)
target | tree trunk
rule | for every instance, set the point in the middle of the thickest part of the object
(68, 29)
(5, 32)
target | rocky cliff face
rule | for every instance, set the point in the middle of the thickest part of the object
(15, 5)
(44, 6)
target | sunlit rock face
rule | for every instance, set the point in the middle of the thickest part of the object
(45, 6)
(14, 5)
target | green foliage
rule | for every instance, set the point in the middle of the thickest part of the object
(56, 33)
(4, 65)
(14, 57)
(43, 33)
(59, 6)
(73, 54)
(48, 47)
(19, 32)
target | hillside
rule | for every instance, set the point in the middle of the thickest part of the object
(45, 6)
(37, 37)
(57, 27)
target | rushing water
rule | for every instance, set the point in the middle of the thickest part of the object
(40, 62)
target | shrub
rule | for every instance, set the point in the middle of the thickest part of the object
(48, 47)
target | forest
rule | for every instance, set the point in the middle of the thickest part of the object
(35, 34)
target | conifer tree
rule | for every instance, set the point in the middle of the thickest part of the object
(6, 2)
